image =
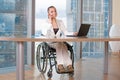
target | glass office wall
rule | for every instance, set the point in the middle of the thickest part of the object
(13, 23)
(71, 12)
(96, 13)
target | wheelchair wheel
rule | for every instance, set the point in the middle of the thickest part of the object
(41, 58)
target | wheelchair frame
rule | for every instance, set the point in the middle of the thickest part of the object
(45, 53)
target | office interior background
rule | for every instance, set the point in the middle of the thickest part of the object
(18, 19)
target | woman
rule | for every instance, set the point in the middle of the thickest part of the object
(57, 29)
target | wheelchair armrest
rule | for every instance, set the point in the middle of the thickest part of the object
(48, 47)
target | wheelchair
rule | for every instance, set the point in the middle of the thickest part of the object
(47, 54)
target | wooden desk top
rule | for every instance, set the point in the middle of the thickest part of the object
(69, 39)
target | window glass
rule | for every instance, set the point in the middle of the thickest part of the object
(6, 24)
(8, 5)
(96, 15)
(13, 23)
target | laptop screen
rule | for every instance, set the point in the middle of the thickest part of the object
(83, 31)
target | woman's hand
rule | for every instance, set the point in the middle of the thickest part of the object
(75, 33)
(52, 18)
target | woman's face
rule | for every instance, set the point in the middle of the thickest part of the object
(52, 13)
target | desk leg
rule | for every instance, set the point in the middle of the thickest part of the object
(20, 61)
(106, 58)
(80, 49)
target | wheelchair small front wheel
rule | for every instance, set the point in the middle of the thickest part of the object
(41, 58)
(49, 74)
(71, 74)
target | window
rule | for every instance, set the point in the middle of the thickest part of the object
(13, 23)
(96, 12)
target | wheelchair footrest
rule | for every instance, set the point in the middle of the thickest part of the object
(66, 71)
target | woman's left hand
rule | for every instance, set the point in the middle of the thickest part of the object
(75, 33)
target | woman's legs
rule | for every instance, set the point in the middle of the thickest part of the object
(66, 58)
(62, 56)
(59, 57)
(65, 54)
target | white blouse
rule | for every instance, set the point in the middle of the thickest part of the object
(49, 32)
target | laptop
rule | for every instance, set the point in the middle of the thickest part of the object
(83, 31)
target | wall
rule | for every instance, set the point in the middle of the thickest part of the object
(116, 12)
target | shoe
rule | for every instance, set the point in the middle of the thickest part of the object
(70, 68)
(61, 69)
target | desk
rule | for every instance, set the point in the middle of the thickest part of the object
(20, 49)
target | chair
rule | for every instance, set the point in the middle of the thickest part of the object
(114, 32)
(45, 53)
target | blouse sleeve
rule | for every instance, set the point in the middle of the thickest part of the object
(64, 29)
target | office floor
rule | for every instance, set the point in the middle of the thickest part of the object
(85, 69)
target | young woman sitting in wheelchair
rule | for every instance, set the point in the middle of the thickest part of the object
(54, 29)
